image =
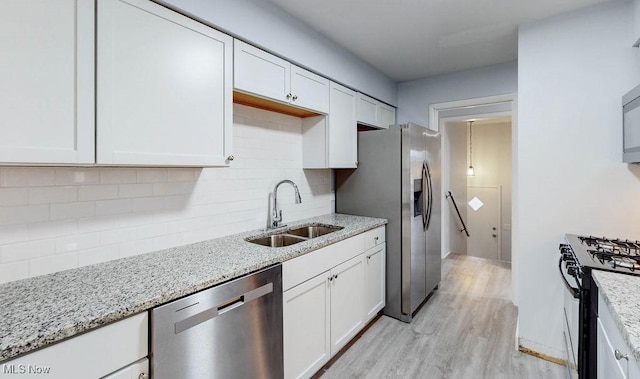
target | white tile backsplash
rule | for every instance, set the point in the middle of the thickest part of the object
(53, 219)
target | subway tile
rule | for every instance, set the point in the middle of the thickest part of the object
(117, 175)
(111, 237)
(110, 207)
(135, 190)
(47, 195)
(148, 204)
(14, 271)
(67, 211)
(13, 234)
(97, 255)
(167, 241)
(27, 176)
(27, 250)
(53, 263)
(168, 189)
(13, 196)
(152, 230)
(23, 214)
(70, 176)
(98, 192)
(99, 223)
(77, 242)
(181, 174)
(52, 229)
(176, 202)
(152, 175)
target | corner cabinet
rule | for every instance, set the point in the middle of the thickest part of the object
(329, 296)
(47, 76)
(164, 87)
(267, 76)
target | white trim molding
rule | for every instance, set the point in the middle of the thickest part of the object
(479, 105)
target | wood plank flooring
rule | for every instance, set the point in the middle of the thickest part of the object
(465, 330)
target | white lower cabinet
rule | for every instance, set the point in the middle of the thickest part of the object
(136, 370)
(374, 279)
(615, 358)
(329, 296)
(101, 352)
(306, 318)
(347, 305)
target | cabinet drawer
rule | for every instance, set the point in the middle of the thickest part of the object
(374, 237)
(93, 354)
(300, 269)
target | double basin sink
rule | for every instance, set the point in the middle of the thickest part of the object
(293, 236)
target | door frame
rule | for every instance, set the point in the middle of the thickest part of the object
(504, 104)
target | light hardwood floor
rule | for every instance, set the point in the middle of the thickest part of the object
(465, 330)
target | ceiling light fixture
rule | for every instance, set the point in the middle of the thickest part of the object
(470, 170)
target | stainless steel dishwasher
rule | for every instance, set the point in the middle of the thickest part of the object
(233, 330)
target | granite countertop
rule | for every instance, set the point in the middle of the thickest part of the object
(620, 292)
(38, 311)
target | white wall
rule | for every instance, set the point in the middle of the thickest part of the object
(414, 97)
(573, 71)
(492, 163)
(264, 24)
(52, 219)
(454, 179)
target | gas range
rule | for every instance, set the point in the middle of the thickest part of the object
(579, 256)
(601, 253)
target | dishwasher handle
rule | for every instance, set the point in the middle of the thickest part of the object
(222, 308)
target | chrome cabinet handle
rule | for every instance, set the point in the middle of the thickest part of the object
(288, 96)
(295, 97)
(376, 239)
(143, 375)
(335, 276)
(231, 157)
(619, 355)
(331, 278)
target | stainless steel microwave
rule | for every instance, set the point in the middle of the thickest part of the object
(631, 126)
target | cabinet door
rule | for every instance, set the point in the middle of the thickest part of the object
(47, 80)
(343, 150)
(306, 324)
(164, 87)
(367, 110)
(309, 90)
(347, 306)
(133, 371)
(261, 73)
(386, 115)
(374, 266)
(608, 366)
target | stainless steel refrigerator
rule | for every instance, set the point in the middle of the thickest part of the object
(398, 178)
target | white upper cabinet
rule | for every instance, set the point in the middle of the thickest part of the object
(375, 113)
(164, 87)
(343, 130)
(47, 80)
(260, 73)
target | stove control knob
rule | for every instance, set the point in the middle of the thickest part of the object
(571, 270)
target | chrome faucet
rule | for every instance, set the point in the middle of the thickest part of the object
(274, 217)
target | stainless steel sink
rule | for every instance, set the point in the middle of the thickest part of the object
(293, 236)
(278, 240)
(314, 231)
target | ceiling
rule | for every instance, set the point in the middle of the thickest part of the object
(411, 39)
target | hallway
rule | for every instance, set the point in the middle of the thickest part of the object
(465, 330)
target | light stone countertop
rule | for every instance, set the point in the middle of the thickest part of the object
(39, 311)
(620, 292)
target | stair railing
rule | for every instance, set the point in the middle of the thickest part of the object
(453, 200)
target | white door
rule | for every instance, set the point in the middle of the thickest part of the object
(374, 281)
(483, 214)
(306, 322)
(47, 81)
(367, 110)
(164, 87)
(309, 90)
(386, 115)
(343, 143)
(608, 366)
(347, 305)
(261, 73)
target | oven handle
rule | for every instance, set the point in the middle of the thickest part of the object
(575, 292)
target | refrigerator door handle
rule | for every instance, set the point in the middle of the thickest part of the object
(425, 196)
(428, 207)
